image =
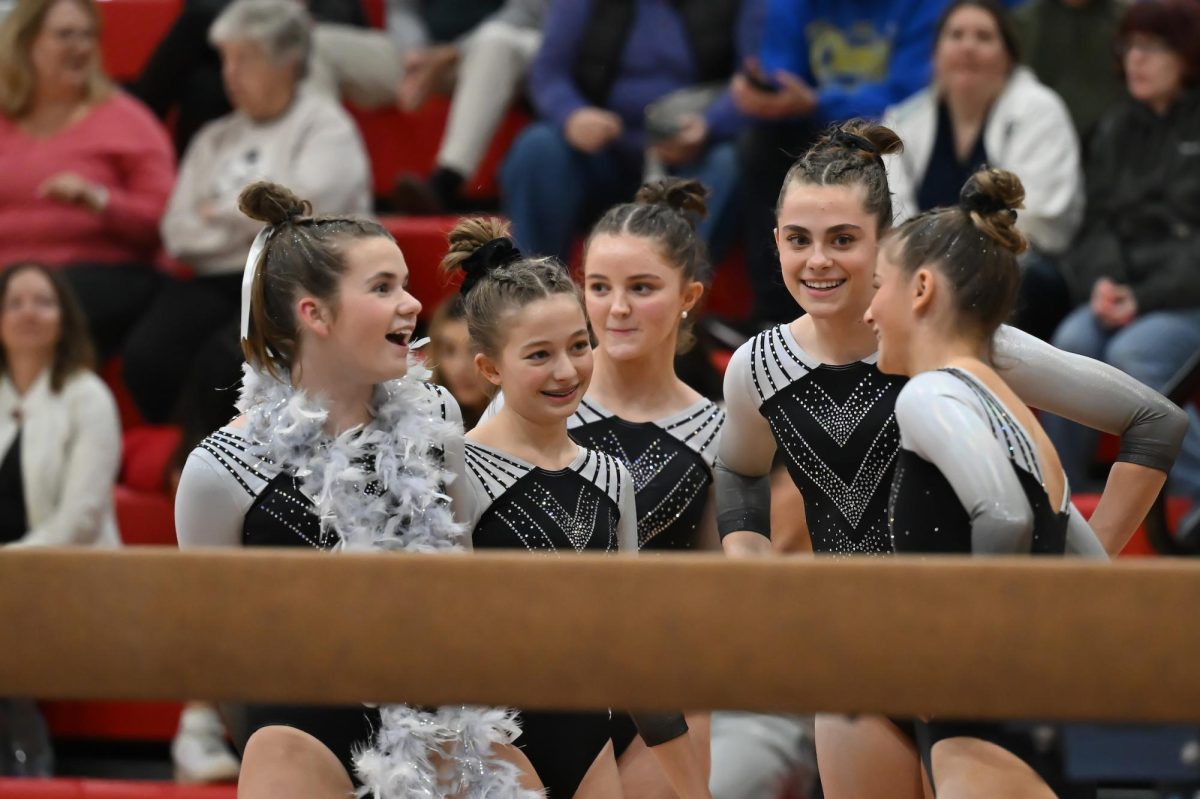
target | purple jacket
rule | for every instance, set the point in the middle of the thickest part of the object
(656, 61)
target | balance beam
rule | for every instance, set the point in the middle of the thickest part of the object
(1002, 638)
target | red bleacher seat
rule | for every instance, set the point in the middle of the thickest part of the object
(112, 721)
(130, 32)
(146, 450)
(397, 142)
(11, 788)
(145, 518)
(145, 514)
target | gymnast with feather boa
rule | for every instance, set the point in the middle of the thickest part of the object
(342, 445)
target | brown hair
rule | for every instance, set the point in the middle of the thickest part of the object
(500, 282)
(1005, 24)
(304, 255)
(17, 78)
(451, 310)
(850, 154)
(73, 352)
(1176, 22)
(974, 244)
(665, 212)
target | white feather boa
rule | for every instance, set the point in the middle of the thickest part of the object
(446, 753)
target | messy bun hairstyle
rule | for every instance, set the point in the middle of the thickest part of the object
(974, 244)
(304, 255)
(850, 154)
(666, 212)
(497, 279)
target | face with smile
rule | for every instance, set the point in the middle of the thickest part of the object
(544, 363)
(635, 297)
(366, 330)
(64, 51)
(892, 313)
(30, 315)
(970, 56)
(827, 244)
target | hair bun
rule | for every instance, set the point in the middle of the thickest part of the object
(870, 139)
(991, 198)
(469, 236)
(492, 256)
(685, 195)
(272, 203)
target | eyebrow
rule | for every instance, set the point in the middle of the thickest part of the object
(835, 229)
(642, 276)
(545, 341)
(385, 274)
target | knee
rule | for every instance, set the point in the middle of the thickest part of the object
(496, 37)
(1079, 333)
(539, 148)
(288, 753)
(279, 744)
(1138, 352)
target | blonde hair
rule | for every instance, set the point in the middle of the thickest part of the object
(17, 78)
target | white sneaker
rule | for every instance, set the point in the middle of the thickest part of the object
(199, 751)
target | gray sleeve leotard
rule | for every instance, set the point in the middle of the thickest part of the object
(942, 420)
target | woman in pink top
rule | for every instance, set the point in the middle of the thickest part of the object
(87, 170)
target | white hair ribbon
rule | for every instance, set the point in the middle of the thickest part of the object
(260, 243)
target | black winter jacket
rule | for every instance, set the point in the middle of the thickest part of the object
(1142, 225)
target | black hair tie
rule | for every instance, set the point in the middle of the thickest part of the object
(496, 254)
(972, 199)
(856, 142)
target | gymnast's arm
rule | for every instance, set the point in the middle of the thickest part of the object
(454, 460)
(943, 427)
(665, 733)
(1104, 398)
(741, 476)
(1081, 540)
(210, 505)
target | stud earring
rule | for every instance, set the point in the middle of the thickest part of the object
(685, 314)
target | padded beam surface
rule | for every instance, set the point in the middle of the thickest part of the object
(1004, 638)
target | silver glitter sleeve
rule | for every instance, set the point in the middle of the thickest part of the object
(939, 422)
(1094, 394)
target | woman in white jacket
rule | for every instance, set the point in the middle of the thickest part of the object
(60, 435)
(984, 108)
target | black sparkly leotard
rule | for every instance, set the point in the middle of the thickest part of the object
(970, 481)
(241, 499)
(586, 507)
(670, 460)
(837, 432)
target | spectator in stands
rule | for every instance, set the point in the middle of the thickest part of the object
(60, 448)
(1135, 266)
(451, 356)
(1069, 46)
(183, 74)
(363, 65)
(487, 68)
(276, 132)
(821, 61)
(984, 107)
(86, 169)
(59, 431)
(601, 65)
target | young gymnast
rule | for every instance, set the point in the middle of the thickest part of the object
(341, 445)
(530, 486)
(975, 474)
(812, 389)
